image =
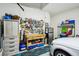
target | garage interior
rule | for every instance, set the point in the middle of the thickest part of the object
(28, 29)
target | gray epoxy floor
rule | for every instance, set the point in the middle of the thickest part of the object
(45, 54)
(44, 51)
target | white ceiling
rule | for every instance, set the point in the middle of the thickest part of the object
(52, 8)
(35, 5)
(55, 8)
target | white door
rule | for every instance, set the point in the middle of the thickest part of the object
(7, 28)
(15, 28)
(11, 28)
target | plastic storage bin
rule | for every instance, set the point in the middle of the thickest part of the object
(71, 21)
(22, 47)
(39, 45)
(30, 47)
(7, 17)
(33, 46)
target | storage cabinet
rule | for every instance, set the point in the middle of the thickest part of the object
(66, 28)
(11, 39)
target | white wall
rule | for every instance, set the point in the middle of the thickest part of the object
(36, 14)
(71, 14)
(14, 9)
(10, 8)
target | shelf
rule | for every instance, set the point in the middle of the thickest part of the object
(66, 25)
(10, 20)
(35, 36)
(34, 39)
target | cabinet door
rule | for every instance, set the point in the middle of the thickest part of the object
(11, 28)
(15, 28)
(7, 28)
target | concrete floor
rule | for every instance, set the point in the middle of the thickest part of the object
(45, 54)
(42, 51)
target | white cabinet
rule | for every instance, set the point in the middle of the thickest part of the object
(11, 39)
